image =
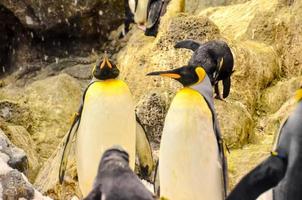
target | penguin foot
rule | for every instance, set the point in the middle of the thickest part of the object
(217, 96)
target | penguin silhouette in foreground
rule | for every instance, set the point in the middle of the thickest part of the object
(192, 164)
(216, 58)
(282, 169)
(105, 118)
(116, 181)
(145, 13)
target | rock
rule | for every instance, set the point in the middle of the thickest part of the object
(288, 38)
(17, 157)
(52, 102)
(15, 187)
(11, 111)
(22, 139)
(151, 111)
(13, 183)
(235, 20)
(187, 27)
(195, 6)
(236, 123)
(80, 71)
(82, 17)
(274, 97)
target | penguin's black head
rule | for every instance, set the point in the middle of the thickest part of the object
(115, 153)
(105, 69)
(298, 95)
(186, 75)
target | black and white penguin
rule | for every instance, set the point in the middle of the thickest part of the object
(145, 13)
(105, 118)
(281, 171)
(192, 164)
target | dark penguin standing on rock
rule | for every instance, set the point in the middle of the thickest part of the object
(216, 58)
(145, 13)
(116, 181)
(282, 169)
(106, 117)
(192, 164)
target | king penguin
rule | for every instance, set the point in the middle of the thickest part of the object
(192, 164)
(281, 171)
(105, 118)
(217, 59)
(115, 180)
(146, 14)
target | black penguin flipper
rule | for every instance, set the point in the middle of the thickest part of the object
(67, 143)
(226, 87)
(187, 44)
(70, 135)
(143, 150)
(264, 177)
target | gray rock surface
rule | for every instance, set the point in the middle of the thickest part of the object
(17, 158)
(13, 183)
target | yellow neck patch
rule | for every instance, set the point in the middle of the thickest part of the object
(201, 73)
(298, 95)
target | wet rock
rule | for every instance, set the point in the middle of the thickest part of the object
(80, 16)
(17, 157)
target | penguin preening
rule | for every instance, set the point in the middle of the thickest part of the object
(281, 171)
(116, 181)
(106, 117)
(216, 58)
(192, 164)
(145, 13)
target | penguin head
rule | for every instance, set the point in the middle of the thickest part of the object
(116, 153)
(105, 69)
(298, 95)
(186, 75)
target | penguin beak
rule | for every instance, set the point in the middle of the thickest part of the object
(106, 62)
(170, 74)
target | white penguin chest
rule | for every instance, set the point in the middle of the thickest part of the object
(189, 159)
